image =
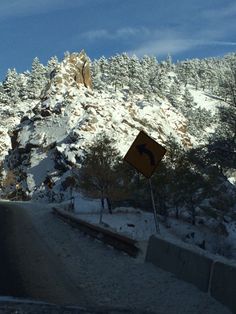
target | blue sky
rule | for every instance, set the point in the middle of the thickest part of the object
(182, 28)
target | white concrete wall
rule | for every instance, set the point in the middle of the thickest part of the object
(209, 273)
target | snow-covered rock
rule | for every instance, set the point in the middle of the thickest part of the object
(49, 136)
(73, 71)
(11, 115)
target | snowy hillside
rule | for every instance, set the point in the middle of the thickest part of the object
(53, 118)
(64, 128)
(10, 118)
(69, 127)
(53, 138)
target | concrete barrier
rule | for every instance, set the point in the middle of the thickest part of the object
(180, 259)
(210, 273)
(223, 283)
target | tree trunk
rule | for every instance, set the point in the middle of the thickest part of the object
(176, 211)
(71, 199)
(193, 214)
(109, 205)
(102, 208)
(162, 205)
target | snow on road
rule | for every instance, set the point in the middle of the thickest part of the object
(108, 277)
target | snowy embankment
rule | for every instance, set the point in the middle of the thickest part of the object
(140, 225)
(107, 277)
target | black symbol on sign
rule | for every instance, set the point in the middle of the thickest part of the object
(143, 150)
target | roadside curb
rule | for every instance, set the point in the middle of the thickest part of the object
(106, 235)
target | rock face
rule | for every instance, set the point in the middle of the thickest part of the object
(73, 71)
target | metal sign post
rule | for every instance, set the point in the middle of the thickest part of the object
(144, 155)
(154, 208)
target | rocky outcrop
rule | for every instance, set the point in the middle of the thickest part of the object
(80, 62)
(73, 71)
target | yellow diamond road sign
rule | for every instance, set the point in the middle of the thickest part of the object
(145, 154)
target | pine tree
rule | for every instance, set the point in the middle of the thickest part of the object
(104, 69)
(37, 80)
(153, 73)
(11, 87)
(52, 65)
(192, 189)
(96, 72)
(100, 175)
(117, 72)
(187, 103)
(22, 84)
(161, 181)
(228, 83)
(136, 75)
(187, 98)
(169, 64)
(176, 162)
(198, 119)
(174, 92)
(4, 98)
(183, 71)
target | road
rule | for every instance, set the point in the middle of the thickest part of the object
(28, 268)
(10, 283)
(45, 259)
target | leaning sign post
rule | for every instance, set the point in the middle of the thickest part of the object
(145, 155)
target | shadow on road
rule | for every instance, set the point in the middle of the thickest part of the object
(10, 280)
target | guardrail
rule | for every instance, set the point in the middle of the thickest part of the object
(106, 235)
(210, 273)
